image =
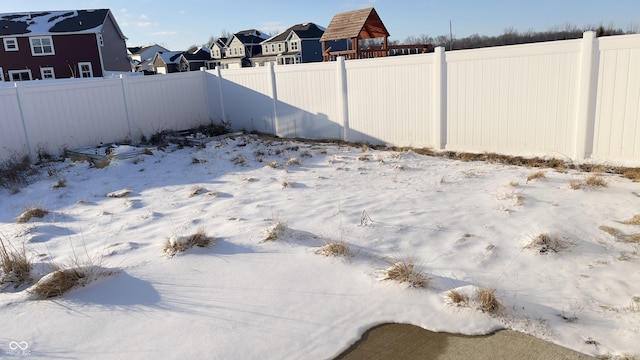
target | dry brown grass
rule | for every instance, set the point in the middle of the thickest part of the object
(545, 243)
(633, 221)
(631, 173)
(177, 245)
(620, 236)
(293, 161)
(336, 248)
(58, 283)
(14, 265)
(196, 160)
(32, 212)
(536, 176)
(196, 190)
(100, 163)
(575, 185)
(457, 297)
(274, 231)
(595, 181)
(273, 165)
(487, 300)
(405, 271)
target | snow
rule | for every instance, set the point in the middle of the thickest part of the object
(466, 225)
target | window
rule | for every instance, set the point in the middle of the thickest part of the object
(19, 75)
(279, 46)
(294, 45)
(100, 40)
(273, 48)
(85, 69)
(47, 73)
(42, 46)
(1, 74)
(10, 44)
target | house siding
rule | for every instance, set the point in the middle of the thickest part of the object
(69, 51)
(114, 51)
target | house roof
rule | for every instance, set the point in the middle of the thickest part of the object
(55, 22)
(251, 36)
(168, 57)
(363, 24)
(304, 31)
(199, 54)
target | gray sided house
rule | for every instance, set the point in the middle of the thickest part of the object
(241, 48)
(141, 56)
(298, 44)
(61, 44)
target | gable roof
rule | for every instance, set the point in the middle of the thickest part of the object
(56, 22)
(251, 36)
(363, 24)
(168, 57)
(304, 31)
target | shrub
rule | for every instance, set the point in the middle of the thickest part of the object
(15, 266)
(487, 300)
(404, 271)
(595, 181)
(336, 248)
(536, 175)
(32, 212)
(457, 297)
(15, 171)
(545, 243)
(274, 231)
(176, 245)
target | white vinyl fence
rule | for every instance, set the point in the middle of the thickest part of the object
(574, 99)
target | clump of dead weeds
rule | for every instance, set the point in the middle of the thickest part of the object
(32, 212)
(545, 243)
(15, 267)
(175, 245)
(335, 248)
(405, 271)
(274, 231)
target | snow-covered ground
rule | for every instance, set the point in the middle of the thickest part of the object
(466, 226)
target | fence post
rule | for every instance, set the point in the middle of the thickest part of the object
(219, 75)
(125, 95)
(343, 99)
(586, 97)
(20, 95)
(274, 95)
(439, 99)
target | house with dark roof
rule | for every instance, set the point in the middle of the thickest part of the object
(241, 48)
(298, 44)
(141, 56)
(165, 62)
(61, 44)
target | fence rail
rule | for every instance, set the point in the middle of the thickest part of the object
(574, 99)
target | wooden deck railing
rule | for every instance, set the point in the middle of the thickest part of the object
(375, 52)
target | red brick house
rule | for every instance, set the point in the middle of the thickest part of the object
(61, 44)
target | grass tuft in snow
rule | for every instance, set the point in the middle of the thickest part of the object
(620, 236)
(15, 266)
(487, 300)
(545, 243)
(32, 212)
(335, 248)
(60, 184)
(536, 176)
(274, 231)
(457, 298)
(633, 221)
(273, 165)
(175, 245)
(196, 190)
(595, 181)
(119, 194)
(405, 271)
(196, 160)
(293, 161)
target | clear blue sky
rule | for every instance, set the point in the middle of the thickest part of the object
(179, 24)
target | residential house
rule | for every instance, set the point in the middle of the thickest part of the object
(61, 44)
(165, 62)
(218, 48)
(141, 56)
(241, 48)
(298, 44)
